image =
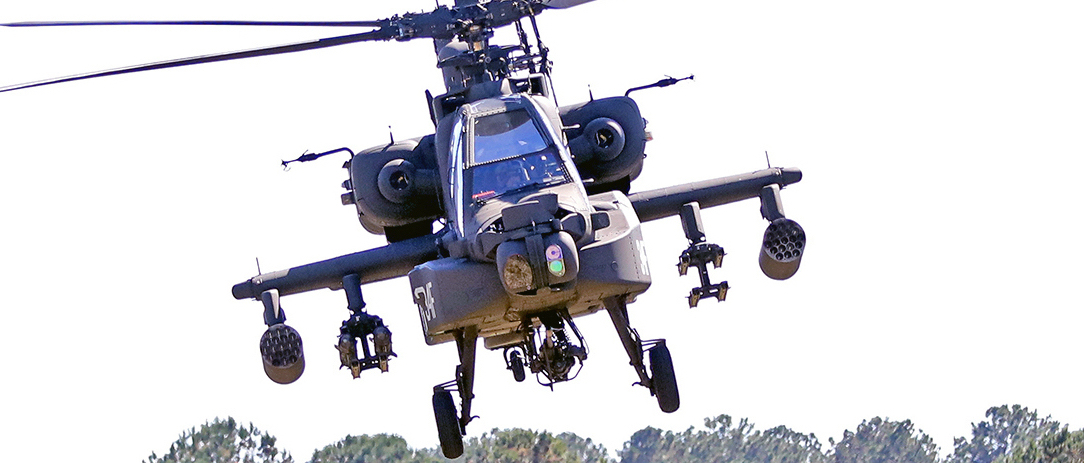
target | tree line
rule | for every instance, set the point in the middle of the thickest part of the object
(1008, 435)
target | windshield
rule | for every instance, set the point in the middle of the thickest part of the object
(505, 134)
(522, 173)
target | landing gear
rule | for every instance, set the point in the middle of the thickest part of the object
(662, 382)
(452, 426)
(515, 363)
(451, 436)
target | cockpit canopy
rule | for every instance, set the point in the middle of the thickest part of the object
(510, 153)
(503, 149)
(505, 134)
(509, 149)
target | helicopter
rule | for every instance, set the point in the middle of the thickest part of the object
(538, 224)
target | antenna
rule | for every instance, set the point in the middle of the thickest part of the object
(767, 159)
(258, 272)
(391, 135)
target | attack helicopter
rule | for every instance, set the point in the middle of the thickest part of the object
(538, 224)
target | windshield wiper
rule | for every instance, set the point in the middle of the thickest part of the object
(523, 188)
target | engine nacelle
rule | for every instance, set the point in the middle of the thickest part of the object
(395, 188)
(283, 356)
(601, 141)
(782, 249)
(607, 139)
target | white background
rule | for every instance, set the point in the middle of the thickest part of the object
(941, 144)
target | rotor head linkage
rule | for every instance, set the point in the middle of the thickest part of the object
(467, 21)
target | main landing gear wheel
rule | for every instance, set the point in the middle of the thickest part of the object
(663, 382)
(661, 379)
(451, 438)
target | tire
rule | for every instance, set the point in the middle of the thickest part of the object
(451, 439)
(517, 368)
(663, 383)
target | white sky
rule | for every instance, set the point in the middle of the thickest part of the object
(940, 143)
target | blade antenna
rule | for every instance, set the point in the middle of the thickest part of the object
(307, 156)
(767, 159)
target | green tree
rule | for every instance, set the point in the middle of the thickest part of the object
(381, 448)
(223, 441)
(783, 445)
(525, 445)
(884, 441)
(584, 449)
(1053, 447)
(723, 441)
(647, 445)
(1003, 430)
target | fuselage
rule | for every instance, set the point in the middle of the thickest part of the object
(523, 235)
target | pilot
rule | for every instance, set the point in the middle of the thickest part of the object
(510, 175)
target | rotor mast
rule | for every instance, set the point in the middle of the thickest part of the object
(467, 58)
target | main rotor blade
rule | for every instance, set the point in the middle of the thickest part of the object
(562, 4)
(381, 34)
(197, 23)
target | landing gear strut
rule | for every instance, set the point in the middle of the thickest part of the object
(661, 382)
(451, 427)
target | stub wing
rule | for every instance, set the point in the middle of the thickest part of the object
(784, 240)
(665, 202)
(398, 259)
(378, 264)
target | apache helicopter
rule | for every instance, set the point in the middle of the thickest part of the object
(537, 222)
